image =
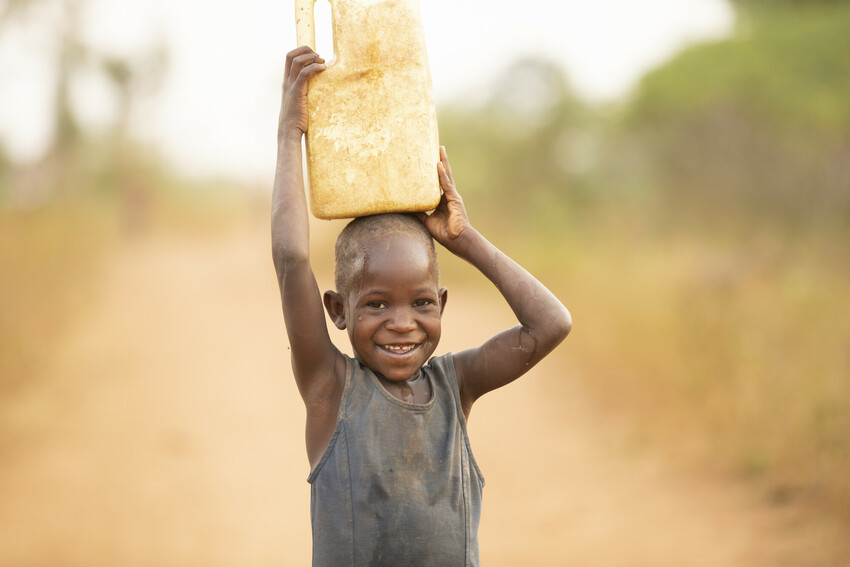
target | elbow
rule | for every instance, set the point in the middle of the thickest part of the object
(563, 324)
(558, 326)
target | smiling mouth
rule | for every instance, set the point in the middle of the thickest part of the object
(400, 349)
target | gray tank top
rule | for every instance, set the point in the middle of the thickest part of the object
(398, 484)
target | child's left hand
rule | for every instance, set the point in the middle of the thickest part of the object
(448, 221)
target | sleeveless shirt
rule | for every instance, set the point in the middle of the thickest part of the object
(398, 484)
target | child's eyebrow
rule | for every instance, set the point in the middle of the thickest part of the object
(373, 293)
(375, 290)
(424, 290)
(417, 291)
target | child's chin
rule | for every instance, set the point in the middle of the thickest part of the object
(398, 374)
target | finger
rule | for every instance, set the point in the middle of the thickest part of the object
(444, 157)
(292, 55)
(308, 71)
(446, 181)
(302, 61)
(441, 175)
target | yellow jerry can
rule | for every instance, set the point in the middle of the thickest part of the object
(372, 143)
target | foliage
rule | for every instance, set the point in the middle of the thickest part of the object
(758, 125)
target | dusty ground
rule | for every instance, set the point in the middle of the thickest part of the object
(167, 431)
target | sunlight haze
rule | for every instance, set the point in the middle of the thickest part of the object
(216, 111)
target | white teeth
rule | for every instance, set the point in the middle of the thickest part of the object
(399, 349)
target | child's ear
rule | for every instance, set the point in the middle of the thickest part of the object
(444, 297)
(335, 307)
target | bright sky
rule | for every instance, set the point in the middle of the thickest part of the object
(217, 110)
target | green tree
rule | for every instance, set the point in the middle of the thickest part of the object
(756, 127)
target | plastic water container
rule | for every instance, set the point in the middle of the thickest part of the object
(372, 144)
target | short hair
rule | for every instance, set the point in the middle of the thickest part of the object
(350, 251)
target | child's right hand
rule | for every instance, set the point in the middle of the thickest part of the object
(301, 64)
(449, 220)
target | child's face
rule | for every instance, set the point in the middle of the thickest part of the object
(393, 308)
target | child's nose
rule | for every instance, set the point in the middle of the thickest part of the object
(401, 321)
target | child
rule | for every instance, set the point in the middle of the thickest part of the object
(393, 479)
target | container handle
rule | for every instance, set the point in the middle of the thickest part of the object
(305, 24)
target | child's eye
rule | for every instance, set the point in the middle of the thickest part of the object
(422, 303)
(376, 304)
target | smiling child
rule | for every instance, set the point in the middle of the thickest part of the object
(393, 479)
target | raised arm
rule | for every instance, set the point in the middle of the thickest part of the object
(543, 320)
(314, 358)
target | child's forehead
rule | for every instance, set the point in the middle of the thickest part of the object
(397, 241)
(398, 252)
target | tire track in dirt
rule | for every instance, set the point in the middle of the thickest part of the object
(167, 431)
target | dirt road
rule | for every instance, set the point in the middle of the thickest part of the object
(167, 431)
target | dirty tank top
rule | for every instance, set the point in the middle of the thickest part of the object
(398, 484)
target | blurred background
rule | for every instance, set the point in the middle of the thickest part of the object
(677, 172)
